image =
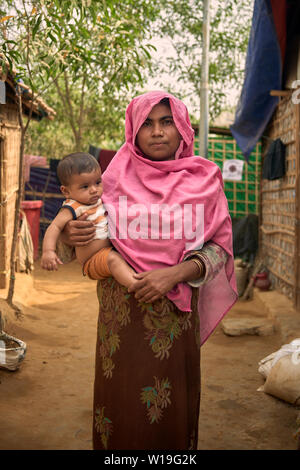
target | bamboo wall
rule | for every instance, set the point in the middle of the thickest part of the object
(279, 218)
(10, 137)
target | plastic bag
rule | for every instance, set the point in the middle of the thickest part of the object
(12, 351)
(282, 372)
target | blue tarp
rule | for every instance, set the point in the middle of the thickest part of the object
(44, 181)
(263, 73)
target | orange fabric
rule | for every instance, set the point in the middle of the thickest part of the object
(75, 204)
(96, 221)
(92, 211)
(96, 267)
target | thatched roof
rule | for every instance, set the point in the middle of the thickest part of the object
(40, 108)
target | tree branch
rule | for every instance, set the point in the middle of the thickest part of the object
(65, 98)
(70, 106)
(81, 109)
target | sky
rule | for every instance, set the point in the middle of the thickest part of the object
(165, 49)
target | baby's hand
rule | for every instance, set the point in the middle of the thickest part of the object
(50, 261)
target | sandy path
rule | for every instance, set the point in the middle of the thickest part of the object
(47, 403)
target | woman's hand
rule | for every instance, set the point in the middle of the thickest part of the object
(78, 232)
(153, 285)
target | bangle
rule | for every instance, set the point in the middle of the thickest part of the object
(199, 264)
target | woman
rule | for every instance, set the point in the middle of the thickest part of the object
(168, 218)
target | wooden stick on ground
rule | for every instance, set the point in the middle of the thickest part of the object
(256, 269)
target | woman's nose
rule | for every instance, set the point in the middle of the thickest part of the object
(157, 130)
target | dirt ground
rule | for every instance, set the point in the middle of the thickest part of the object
(47, 403)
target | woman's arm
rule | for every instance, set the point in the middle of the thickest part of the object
(153, 285)
(213, 257)
(79, 232)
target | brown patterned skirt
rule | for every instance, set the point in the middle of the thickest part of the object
(147, 373)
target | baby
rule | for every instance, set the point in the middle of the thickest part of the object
(80, 176)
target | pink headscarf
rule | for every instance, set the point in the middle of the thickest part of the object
(188, 181)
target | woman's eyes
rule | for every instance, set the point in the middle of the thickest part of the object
(165, 122)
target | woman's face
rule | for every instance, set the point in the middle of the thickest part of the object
(158, 137)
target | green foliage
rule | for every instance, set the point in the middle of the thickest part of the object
(88, 58)
(229, 31)
(103, 126)
(46, 37)
(93, 53)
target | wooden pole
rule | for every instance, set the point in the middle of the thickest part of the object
(19, 197)
(14, 244)
(297, 214)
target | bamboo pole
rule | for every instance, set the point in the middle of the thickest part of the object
(204, 105)
(297, 214)
(17, 205)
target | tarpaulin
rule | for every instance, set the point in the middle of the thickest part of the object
(43, 185)
(263, 73)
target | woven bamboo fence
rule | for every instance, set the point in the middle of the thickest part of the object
(279, 218)
(10, 136)
(243, 196)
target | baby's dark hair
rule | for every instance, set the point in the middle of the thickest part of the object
(75, 164)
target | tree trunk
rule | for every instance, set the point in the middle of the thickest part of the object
(14, 244)
(16, 232)
(78, 139)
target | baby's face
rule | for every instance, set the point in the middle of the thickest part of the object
(85, 188)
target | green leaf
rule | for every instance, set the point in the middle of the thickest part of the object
(36, 26)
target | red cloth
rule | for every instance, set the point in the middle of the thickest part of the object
(33, 160)
(105, 157)
(279, 9)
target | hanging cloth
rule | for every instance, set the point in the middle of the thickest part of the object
(25, 247)
(274, 162)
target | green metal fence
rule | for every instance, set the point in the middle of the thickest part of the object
(243, 195)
